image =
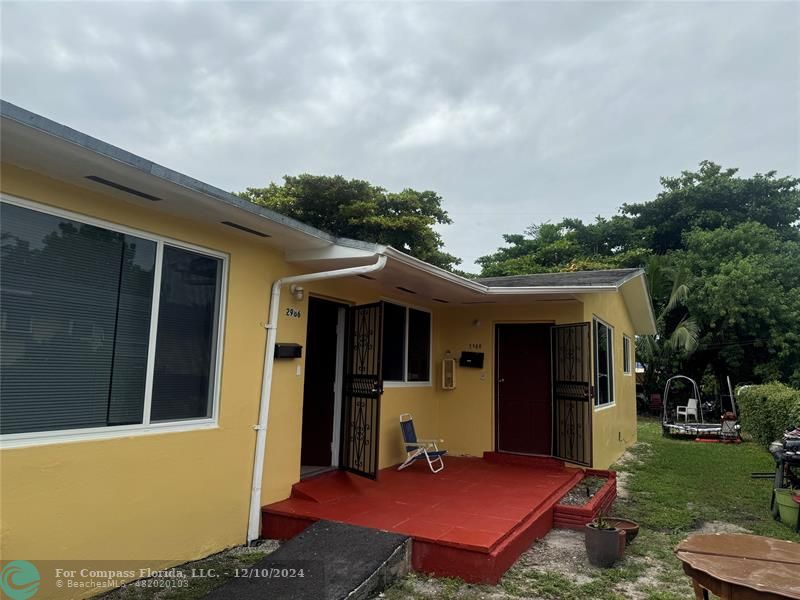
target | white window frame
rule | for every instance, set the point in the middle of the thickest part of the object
(627, 355)
(405, 382)
(35, 438)
(611, 363)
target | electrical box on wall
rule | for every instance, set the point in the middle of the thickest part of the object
(473, 360)
(288, 351)
(449, 374)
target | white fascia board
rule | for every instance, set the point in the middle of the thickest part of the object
(421, 265)
(640, 306)
(635, 295)
(547, 290)
(331, 252)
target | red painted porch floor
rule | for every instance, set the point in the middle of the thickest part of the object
(472, 520)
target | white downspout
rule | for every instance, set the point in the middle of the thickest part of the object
(253, 526)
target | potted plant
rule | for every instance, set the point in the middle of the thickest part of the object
(605, 544)
(631, 528)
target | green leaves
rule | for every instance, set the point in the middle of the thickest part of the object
(766, 411)
(354, 208)
(722, 255)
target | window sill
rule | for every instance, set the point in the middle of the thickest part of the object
(604, 406)
(406, 384)
(45, 438)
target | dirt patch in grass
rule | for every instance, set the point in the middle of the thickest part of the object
(719, 527)
(553, 568)
(583, 491)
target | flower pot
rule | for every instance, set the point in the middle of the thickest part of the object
(604, 547)
(631, 528)
(787, 508)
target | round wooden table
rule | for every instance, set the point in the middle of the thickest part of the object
(741, 567)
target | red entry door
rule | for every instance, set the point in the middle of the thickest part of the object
(522, 388)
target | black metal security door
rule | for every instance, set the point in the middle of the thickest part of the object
(572, 392)
(363, 386)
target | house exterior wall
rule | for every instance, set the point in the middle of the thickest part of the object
(613, 427)
(172, 497)
(466, 414)
(167, 497)
(178, 496)
(284, 432)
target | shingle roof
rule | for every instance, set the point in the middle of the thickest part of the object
(608, 277)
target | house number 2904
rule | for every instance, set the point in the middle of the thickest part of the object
(293, 313)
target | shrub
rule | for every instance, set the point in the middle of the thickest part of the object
(766, 411)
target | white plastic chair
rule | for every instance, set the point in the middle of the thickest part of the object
(689, 409)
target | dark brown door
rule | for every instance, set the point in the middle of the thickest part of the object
(363, 386)
(572, 393)
(319, 392)
(522, 392)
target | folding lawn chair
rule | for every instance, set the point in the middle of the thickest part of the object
(419, 449)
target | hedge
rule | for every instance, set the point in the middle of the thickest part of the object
(766, 411)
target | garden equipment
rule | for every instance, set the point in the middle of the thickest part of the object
(787, 507)
(786, 453)
(726, 429)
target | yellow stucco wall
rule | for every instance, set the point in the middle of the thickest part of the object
(466, 414)
(284, 433)
(614, 427)
(167, 497)
(173, 497)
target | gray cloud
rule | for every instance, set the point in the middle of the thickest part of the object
(514, 112)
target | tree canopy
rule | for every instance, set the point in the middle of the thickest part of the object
(357, 209)
(728, 246)
(722, 253)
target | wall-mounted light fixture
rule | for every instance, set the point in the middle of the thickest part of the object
(296, 291)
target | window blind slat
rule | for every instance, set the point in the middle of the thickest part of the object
(71, 295)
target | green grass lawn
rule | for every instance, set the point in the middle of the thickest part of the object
(674, 488)
(677, 485)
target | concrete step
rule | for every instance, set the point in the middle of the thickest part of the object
(328, 561)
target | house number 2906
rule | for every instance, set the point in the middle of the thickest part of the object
(293, 313)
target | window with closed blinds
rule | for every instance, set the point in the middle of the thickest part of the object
(76, 306)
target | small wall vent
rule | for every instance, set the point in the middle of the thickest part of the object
(406, 290)
(247, 229)
(123, 188)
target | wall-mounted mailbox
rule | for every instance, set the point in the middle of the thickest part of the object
(288, 351)
(473, 360)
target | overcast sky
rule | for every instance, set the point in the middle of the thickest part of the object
(515, 113)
